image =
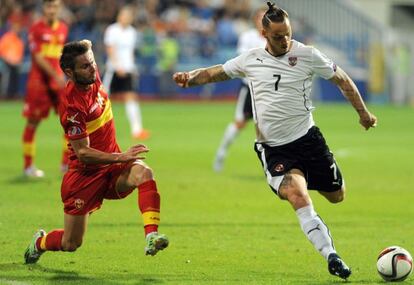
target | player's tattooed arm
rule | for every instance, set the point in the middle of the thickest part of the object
(350, 91)
(201, 76)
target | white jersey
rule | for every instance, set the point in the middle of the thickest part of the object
(248, 40)
(280, 88)
(123, 41)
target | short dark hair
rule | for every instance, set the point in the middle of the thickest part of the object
(71, 50)
(274, 14)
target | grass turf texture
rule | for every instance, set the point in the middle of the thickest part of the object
(225, 228)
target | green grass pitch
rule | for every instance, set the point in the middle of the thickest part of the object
(225, 228)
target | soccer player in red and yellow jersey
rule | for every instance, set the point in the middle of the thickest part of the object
(45, 81)
(98, 169)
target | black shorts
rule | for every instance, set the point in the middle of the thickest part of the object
(121, 84)
(244, 104)
(310, 154)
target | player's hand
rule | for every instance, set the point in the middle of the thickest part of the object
(367, 120)
(133, 153)
(181, 78)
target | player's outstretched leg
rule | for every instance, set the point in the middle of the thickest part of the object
(229, 135)
(337, 266)
(32, 253)
(155, 243)
(29, 150)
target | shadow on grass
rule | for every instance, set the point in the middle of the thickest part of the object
(198, 225)
(21, 179)
(19, 273)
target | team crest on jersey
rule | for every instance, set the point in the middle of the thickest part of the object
(73, 131)
(79, 203)
(293, 60)
(279, 167)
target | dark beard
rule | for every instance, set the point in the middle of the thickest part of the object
(83, 81)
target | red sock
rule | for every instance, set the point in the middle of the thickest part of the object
(51, 242)
(149, 204)
(28, 145)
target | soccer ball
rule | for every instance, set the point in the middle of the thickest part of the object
(394, 264)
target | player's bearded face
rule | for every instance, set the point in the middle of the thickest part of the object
(85, 69)
(278, 36)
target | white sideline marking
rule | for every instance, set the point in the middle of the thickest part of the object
(342, 152)
(13, 282)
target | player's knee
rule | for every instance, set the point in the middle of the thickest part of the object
(240, 124)
(143, 174)
(298, 201)
(338, 197)
(296, 198)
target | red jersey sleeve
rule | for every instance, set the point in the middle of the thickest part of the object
(74, 123)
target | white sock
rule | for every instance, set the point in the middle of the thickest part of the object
(133, 112)
(229, 135)
(316, 230)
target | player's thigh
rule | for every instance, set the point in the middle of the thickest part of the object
(323, 173)
(82, 192)
(277, 163)
(74, 229)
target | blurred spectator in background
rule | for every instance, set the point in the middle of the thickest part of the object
(46, 80)
(120, 40)
(401, 74)
(249, 39)
(168, 58)
(11, 57)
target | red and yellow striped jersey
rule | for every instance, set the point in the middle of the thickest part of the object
(48, 41)
(86, 113)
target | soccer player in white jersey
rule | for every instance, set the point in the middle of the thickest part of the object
(291, 148)
(120, 40)
(251, 38)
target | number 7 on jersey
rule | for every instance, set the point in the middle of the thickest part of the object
(278, 76)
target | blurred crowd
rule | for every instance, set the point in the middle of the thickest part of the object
(171, 33)
(179, 35)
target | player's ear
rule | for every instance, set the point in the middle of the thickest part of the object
(68, 72)
(264, 33)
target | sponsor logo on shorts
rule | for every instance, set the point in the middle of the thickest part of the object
(293, 60)
(79, 203)
(279, 168)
